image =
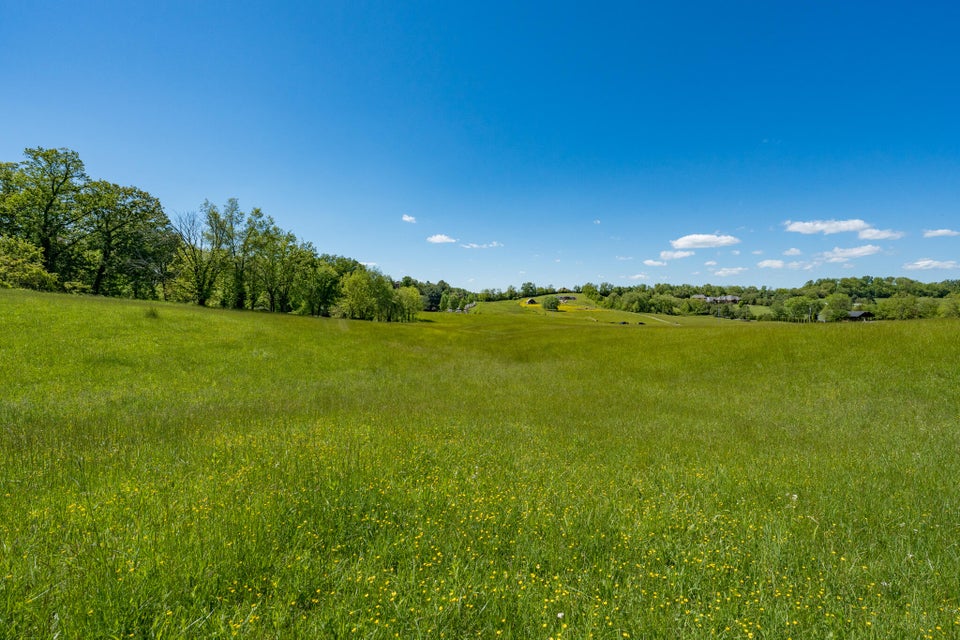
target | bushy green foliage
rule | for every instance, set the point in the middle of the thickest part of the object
(21, 266)
(836, 306)
(550, 303)
(202, 473)
(903, 306)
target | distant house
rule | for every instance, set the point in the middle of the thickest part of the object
(861, 316)
(852, 316)
(531, 301)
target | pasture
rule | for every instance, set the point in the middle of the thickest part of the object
(169, 471)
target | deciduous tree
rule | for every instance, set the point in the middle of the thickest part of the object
(117, 222)
(40, 204)
(837, 306)
(21, 265)
(200, 254)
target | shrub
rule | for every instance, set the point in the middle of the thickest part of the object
(21, 266)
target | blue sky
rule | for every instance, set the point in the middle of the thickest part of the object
(489, 144)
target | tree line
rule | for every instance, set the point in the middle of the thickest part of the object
(60, 230)
(826, 299)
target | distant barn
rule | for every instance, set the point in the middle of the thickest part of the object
(855, 316)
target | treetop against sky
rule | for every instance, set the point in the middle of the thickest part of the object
(491, 144)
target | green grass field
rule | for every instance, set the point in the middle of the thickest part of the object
(168, 471)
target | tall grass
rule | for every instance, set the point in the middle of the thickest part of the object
(168, 471)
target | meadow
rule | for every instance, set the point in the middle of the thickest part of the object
(168, 471)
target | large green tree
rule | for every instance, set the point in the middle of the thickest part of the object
(837, 306)
(317, 286)
(277, 259)
(239, 237)
(802, 308)
(119, 225)
(367, 294)
(409, 303)
(200, 252)
(40, 205)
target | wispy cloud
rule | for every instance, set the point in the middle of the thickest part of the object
(826, 226)
(793, 251)
(710, 263)
(771, 264)
(940, 233)
(440, 238)
(638, 276)
(880, 234)
(410, 219)
(842, 255)
(474, 245)
(703, 241)
(864, 230)
(927, 263)
(675, 255)
(655, 263)
(729, 271)
(624, 258)
(597, 221)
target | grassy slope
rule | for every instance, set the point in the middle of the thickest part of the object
(171, 471)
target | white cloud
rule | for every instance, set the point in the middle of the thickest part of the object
(735, 252)
(440, 238)
(638, 276)
(596, 221)
(655, 263)
(474, 245)
(826, 226)
(793, 251)
(801, 266)
(927, 263)
(880, 234)
(409, 219)
(757, 252)
(771, 264)
(842, 255)
(940, 233)
(623, 258)
(710, 263)
(675, 255)
(703, 241)
(729, 271)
